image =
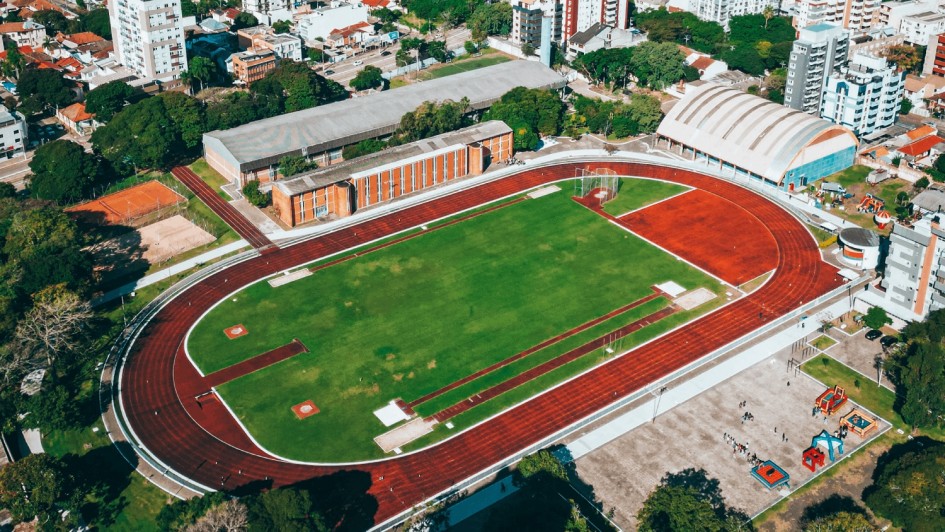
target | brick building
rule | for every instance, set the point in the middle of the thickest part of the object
(253, 65)
(340, 190)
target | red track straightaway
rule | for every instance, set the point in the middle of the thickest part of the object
(153, 372)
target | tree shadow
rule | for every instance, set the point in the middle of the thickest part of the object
(830, 506)
(104, 473)
(342, 498)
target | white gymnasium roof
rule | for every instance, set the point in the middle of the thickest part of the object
(747, 131)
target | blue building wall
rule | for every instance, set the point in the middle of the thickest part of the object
(806, 174)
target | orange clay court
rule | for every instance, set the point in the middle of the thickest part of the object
(689, 225)
(127, 204)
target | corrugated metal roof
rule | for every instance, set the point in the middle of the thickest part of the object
(747, 131)
(338, 124)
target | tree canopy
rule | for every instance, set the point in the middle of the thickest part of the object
(39, 485)
(490, 19)
(43, 89)
(244, 20)
(529, 112)
(876, 318)
(142, 135)
(431, 119)
(53, 20)
(909, 486)
(63, 172)
(919, 372)
(689, 500)
(293, 86)
(369, 78)
(657, 65)
(106, 100)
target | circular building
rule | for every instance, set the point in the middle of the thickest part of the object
(859, 247)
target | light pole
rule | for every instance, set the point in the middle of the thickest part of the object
(656, 404)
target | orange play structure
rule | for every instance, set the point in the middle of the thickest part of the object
(858, 422)
(831, 400)
(813, 458)
(871, 204)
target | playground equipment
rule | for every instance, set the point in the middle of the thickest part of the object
(813, 458)
(770, 474)
(831, 400)
(858, 422)
(829, 442)
(882, 218)
(871, 204)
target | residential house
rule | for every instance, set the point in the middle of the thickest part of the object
(76, 120)
(12, 133)
(321, 22)
(920, 90)
(358, 34)
(27, 33)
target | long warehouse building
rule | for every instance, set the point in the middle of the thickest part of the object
(252, 151)
(750, 136)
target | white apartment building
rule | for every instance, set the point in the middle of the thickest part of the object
(919, 28)
(526, 21)
(12, 133)
(914, 280)
(148, 36)
(865, 95)
(269, 11)
(818, 50)
(854, 15)
(29, 33)
(722, 11)
(892, 13)
(321, 22)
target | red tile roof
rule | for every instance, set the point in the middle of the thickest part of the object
(702, 63)
(920, 132)
(80, 38)
(921, 146)
(76, 113)
(376, 3)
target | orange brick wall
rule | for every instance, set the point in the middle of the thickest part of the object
(405, 179)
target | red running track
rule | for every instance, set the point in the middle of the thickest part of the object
(224, 210)
(689, 223)
(388, 487)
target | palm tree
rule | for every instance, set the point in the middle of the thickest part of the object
(768, 14)
(200, 69)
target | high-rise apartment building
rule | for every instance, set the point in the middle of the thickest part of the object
(818, 50)
(568, 17)
(865, 95)
(148, 37)
(527, 18)
(722, 11)
(854, 15)
(914, 280)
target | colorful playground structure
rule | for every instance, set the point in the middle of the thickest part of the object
(877, 207)
(858, 422)
(770, 474)
(831, 400)
(813, 457)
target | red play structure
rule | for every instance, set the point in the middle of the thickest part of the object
(813, 458)
(871, 204)
(831, 400)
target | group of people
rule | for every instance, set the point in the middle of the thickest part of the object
(513, 161)
(741, 449)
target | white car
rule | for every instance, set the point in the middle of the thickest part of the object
(358, 63)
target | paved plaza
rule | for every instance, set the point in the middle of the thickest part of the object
(693, 434)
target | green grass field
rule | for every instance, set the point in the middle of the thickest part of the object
(409, 319)
(637, 193)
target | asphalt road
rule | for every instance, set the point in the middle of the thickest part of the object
(15, 170)
(346, 70)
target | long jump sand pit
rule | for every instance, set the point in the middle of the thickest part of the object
(689, 225)
(171, 237)
(126, 205)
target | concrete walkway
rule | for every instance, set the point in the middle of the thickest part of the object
(167, 273)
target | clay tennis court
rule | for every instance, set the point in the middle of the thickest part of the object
(713, 233)
(127, 204)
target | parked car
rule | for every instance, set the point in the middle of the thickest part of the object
(358, 63)
(873, 335)
(385, 53)
(889, 341)
(329, 72)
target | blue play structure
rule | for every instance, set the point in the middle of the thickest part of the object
(830, 442)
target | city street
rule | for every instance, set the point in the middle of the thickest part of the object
(345, 71)
(14, 170)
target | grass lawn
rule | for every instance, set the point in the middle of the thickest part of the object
(464, 65)
(821, 235)
(411, 318)
(636, 193)
(210, 177)
(130, 501)
(860, 388)
(850, 176)
(823, 342)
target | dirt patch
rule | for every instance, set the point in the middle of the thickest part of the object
(171, 237)
(431, 364)
(305, 409)
(235, 331)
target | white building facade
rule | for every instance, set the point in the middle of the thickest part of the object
(12, 134)
(722, 11)
(320, 23)
(919, 28)
(854, 15)
(914, 280)
(865, 95)
(148, 36)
